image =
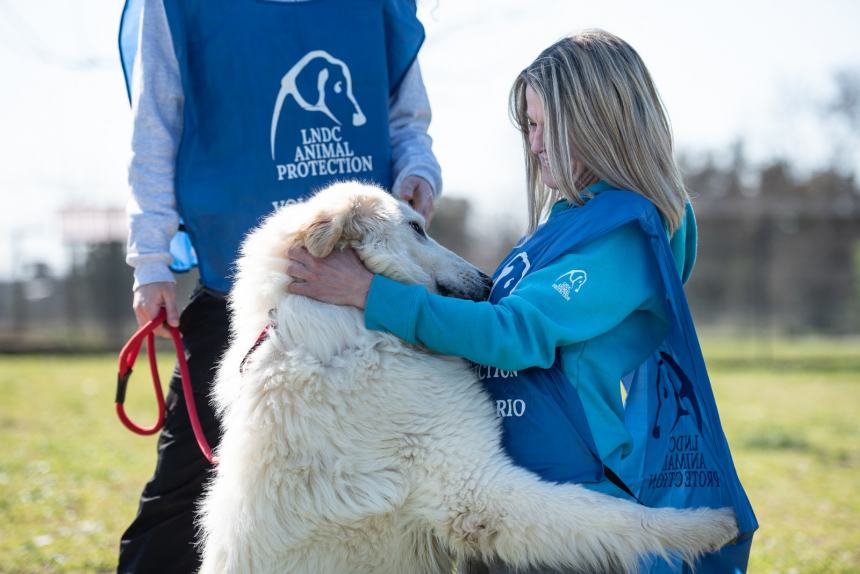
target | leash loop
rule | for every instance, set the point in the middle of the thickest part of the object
(127, 357)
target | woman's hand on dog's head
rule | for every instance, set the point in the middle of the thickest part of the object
(339, 278)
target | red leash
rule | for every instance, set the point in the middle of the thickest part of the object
(126, 361)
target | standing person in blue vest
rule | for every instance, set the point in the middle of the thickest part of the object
(589, 301)
(240, 107)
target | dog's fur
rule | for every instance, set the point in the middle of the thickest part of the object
(350, 451)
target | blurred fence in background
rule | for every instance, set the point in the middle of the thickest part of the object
(779, 257)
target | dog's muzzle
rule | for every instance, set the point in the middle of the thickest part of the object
(476, 290)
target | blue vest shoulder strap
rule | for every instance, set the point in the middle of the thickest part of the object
(607, 211)
(129, 29)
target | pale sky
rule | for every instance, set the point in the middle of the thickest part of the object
(753, 69)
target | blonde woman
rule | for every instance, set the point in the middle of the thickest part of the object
(591, 296)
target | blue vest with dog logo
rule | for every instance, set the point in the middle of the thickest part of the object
(680, 456)
(281, 99)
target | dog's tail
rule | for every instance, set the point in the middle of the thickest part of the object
(526, 522)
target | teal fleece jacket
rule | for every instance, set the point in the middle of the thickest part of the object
(602, 332)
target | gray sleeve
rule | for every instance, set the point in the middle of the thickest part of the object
(411, 145)
(156, 104)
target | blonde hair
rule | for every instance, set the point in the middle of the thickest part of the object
(603, 119)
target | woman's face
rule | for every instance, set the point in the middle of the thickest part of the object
(534, 111)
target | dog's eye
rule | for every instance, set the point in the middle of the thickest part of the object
(338, 88)
(417, 228)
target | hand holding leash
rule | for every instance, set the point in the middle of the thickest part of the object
(152, 298)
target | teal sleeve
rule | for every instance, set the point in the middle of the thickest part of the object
(525, 328)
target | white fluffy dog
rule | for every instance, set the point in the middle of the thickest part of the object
(349, 451)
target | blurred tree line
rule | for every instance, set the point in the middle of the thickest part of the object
(779, 253)
(779, 249)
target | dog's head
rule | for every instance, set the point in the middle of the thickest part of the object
(387, 234)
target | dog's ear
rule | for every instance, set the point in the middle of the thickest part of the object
(331, 226)
(322, 234)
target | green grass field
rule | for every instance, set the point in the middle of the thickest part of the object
(70, 474)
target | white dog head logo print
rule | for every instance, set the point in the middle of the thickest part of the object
(570, 282)
(333, 83)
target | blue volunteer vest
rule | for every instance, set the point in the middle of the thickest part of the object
(281, 99)
(680, 456)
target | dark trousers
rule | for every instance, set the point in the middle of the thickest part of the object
(161, 539)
